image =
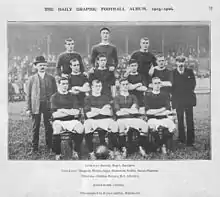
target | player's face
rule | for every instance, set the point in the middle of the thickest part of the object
(69, 46)
(133, 67)
(97, 88)
(105, 35)
(102, 62)
(41, 67)
(75, 66)
(124, 86)
(144, 44)
(156, 84)
(161, 62)
(180, 66)
(63, 86)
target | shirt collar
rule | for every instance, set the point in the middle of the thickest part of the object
(41, 74)
(75, 73)
(99, 68)
(102, 43)
(134, 73)
(180, 72)
(158, 92)
(124, 94)
(141, 50)
(63, 93)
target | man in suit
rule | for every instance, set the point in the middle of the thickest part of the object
(40, 88)
(184, 99)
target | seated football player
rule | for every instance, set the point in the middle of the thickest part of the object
(136, 83)
(126, 108)
(163, 73)
(79, 84)
(99, 116)
(104, 74)
(65, 112)
(157, 105)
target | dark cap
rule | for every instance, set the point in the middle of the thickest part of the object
(39, 59)
(105, 28)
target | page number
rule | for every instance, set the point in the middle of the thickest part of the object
(210, 8)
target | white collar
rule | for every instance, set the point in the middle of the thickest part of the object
(124, 93)
(155, 92)
(134, 73)
(158, 68)
(41, 74)
(70, 51)
(63, 93)
(142, 50)
(102, 43)
(99, 68)
(75, 73)
(180, 72)
(96, 95)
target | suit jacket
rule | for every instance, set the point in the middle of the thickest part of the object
(183, 89)
(33, 91)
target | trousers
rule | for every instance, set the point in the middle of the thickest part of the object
(188, 112)
(36, 119)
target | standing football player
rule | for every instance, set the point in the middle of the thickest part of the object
(105, 47)
(144, 58)
(162, 73)
(63, 63)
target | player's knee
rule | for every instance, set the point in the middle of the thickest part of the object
(79, 128)
(121, 126)
(88, 126)
(113, 126)
(57, 127)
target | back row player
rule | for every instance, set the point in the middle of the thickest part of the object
(143, 56)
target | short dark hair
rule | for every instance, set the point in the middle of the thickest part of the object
(132, 61)
(105, 28)
(101, 55)
(158, 55)
(154, 78)
(123, 79)
(144, 38)
(69, 40)
(62, 79)
(180, 59)
(95, 81)
(74, 60)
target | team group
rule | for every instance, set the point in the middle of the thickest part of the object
(148, 95)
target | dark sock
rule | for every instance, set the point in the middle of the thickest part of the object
(102, 134)
(89, 142)
(78, 141)
(114, 140)
(122, 141)
(56, 144)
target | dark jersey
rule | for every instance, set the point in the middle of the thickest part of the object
(164, 75)
(106, 77)
(157, 101)
(64, 101)
(78, 80)
(145, 60)
(63, 62)
(133, 79)
(96, 102)
(121, 101)
(109, 50)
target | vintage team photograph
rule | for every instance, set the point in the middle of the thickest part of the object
(109, 91)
